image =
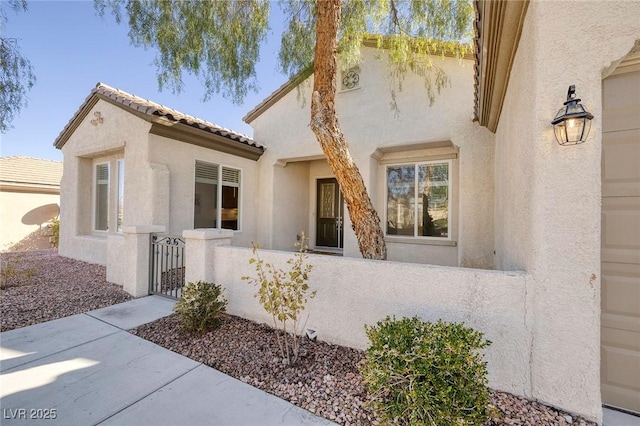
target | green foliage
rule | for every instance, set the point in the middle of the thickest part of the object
(407, 33)
(13, 273)
(284, 295)
(420, 373)
(16, 72)
(200, 306)
(219, 41)
(54, 226)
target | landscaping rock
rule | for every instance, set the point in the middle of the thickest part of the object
(39, 286)
(326, 381)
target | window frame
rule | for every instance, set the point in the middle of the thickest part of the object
(95, 197)
(120, 180)
(221, 166)
(416, 164)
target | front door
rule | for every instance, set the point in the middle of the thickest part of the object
(329, 214)
(621, 241)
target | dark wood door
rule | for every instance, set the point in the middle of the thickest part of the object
(329, 214)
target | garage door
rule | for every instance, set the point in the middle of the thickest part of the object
(620, 366)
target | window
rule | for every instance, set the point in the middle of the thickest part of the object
(108, 195)
(208, 195)
(101, 215)
(429, 184)
(120, 199)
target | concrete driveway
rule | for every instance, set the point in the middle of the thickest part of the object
(87, 370)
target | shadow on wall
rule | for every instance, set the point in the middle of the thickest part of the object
(37, 240)
(41, 238)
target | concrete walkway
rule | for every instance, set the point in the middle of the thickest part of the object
(618, 418)
(87, 370)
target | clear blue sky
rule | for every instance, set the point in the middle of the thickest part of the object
(71, 49)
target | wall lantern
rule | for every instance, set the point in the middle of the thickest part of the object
(572, 123)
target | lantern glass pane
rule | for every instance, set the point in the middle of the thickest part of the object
(560, 113)
(561, 134)
(587, 127)
(575, 109)
(574, 129)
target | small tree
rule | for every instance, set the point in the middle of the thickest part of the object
(284, 295)
(16, 72)
(219, 41)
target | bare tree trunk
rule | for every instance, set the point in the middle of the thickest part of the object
(324, 123)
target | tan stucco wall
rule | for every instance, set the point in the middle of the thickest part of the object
(14, 234)
(354, 292)
(369, 123)
(179, 158)
(159, 185)
(547, 202)
(121, 135)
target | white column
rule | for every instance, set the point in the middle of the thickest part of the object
(199, 251)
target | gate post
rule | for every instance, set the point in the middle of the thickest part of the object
(199, 245)
(136, 258)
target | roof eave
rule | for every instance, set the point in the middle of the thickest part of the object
(6, 186)
(73, 124)
(278, 94)
(200, 137)
(184, 130)
(498, 29)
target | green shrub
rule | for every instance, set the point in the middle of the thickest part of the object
(14, 271)
(201, 306)
(284, 294)
(54, 226)
(420, 373)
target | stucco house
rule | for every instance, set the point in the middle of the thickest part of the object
(128, 160)
(29, 200)
(534, 243)
(569, 215)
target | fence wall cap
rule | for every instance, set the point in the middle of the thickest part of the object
(207, 234)
(143, 229)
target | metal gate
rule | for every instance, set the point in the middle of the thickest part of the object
(166, 274)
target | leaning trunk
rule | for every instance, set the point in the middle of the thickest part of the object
(324, 123)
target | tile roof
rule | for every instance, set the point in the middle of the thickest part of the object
(148, 109)
(20, 170)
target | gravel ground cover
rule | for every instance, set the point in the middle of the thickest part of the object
(325, 381)
(40, 286)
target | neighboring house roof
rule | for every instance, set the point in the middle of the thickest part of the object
(498, 27)
(156, 113)
(26, 172)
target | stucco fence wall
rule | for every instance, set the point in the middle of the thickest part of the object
(353, 292)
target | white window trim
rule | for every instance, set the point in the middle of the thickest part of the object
(415, 237)
(118, 162)
(94, 190)
(219, 196)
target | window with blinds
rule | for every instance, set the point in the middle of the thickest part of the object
(208, 195)
(120, 199)
(101, 216)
